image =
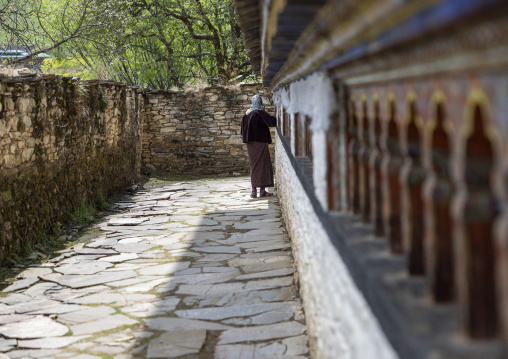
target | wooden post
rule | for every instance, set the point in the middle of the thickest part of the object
(476, 211)
(438, 220)
(308, 138)
(412, 214)
(375, 179)
(364, 159)
(392, 165)
(353, 166)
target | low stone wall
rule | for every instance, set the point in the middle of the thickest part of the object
(198, 132)
(62, 142)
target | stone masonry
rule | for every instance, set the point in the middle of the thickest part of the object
(62, 142)
(198, 132)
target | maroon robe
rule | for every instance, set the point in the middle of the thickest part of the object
(256, 133)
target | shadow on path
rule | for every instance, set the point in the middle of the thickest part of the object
(195, 269)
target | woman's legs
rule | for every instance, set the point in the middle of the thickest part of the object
(254, 192)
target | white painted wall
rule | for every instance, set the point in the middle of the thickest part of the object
(312, 97)
(339, 320)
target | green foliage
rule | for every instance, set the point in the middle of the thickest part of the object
(85, 211)
(167, 43)
(67, 68)
(97, 100)
(103, 102)
(152, 43)
(101, 201)
(83, 214)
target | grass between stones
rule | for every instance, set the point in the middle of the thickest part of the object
(119, 329)
(156, 248)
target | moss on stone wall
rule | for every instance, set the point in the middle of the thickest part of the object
(59, 150)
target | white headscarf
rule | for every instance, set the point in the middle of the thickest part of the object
(257, 104)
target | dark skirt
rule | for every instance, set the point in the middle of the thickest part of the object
(261, 172)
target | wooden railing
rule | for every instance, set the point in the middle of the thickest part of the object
(424, 178)
(429, 189)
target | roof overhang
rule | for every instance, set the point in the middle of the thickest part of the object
(271, 29)
(289, 39)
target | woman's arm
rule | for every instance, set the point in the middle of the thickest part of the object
(269, 120)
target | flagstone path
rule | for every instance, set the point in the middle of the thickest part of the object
(195, 269)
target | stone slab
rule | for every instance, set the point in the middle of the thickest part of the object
(58, 309)
(274, 316)
(21, 284)
(133, 281)
(80, 281)
(122, 257)
(126, 221)
(35, 304)
(203, 278)
(34, 272)
(169, 324)
(41, 289)
(7, 344)
(95, 251)
(216, 257)
(13, 318)
(79, 258)
(172, 246)
(146, 286)
(243, 297)
(34, 353)
(269, 283)
(37, 327)
(84, 267)
(266, 274)
(133, 247)
(118, 299)
(50, 343)
(105, 323)
(105, 242)
(87, 314)
(177, 343)
(66, 295)
(259, 333)
(219, 313)
(218, 249)
(164, 269)
(150, 309)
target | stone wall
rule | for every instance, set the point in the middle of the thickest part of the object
(198, 132)
(62, 142)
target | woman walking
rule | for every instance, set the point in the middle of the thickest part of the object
(256, 134)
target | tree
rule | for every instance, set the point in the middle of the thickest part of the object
(172, 42)
(153, 43)
(16, 25)
(45, 25)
